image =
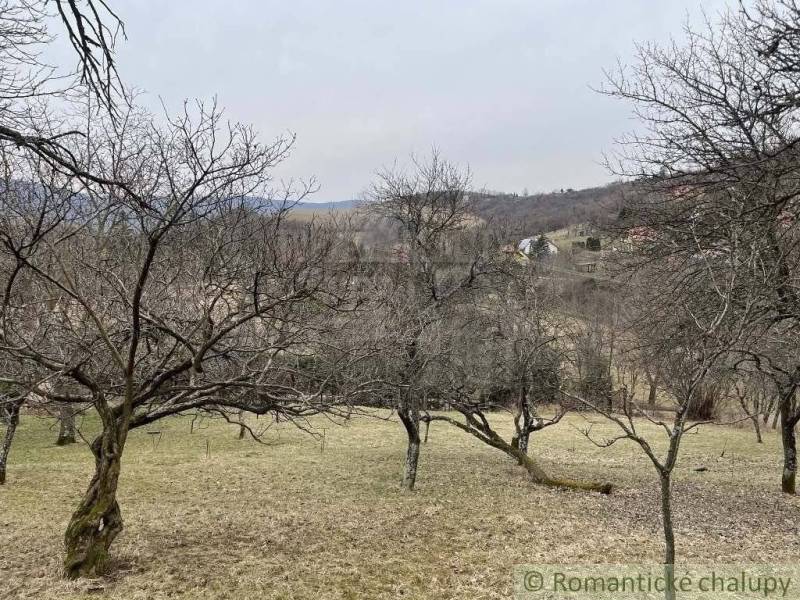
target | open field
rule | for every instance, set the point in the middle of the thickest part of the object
(318, 215)
(287, 520)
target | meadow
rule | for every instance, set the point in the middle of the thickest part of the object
(210, 516)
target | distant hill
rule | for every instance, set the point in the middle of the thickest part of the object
(516, 215)
(327, 206)
(522, 216)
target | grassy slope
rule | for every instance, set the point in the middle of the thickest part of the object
(306, 213)
(288, 521)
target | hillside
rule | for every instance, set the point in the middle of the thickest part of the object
(538, 213)
(520, 215)
(335, 206)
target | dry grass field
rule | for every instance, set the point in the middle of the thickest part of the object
(289, 521)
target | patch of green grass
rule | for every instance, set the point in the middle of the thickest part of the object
(285, 520)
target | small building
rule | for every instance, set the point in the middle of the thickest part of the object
(528, 246)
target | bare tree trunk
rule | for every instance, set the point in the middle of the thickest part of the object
(409, 413)
(242, 426)
(788, 422)
(538, 475)
(524, 440)
(410, 418)
(651, 395)
(669, 534)
(66, 425)
(527, 420)
(97, 520)
(768, 410)
(535, 472)
(752, 415)
(11, 418)
(523, 422)
(757, 427)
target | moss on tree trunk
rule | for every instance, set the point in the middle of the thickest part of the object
(539, 476)
(535, 472)
(97, 521)
(410, 419)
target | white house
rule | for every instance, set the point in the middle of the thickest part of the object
(527, 244)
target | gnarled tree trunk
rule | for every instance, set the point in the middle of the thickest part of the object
(539, 476)
(409, 411)
(523, 422)
(410, 418)
(97, 520)
(10, 412)
(523, 441)
(66, 425)
(535, 472)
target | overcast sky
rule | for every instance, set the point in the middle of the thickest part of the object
(502, 85)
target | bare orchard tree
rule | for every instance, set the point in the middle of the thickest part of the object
(717, 156)
(687, 368)
(438, 261)
(770, 375)
(181, 290)
(753, 392)
(35, 201)
(518, 349)
(690, 335)
(524, 320)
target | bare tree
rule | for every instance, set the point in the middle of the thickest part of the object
(10, 404)
(752, 391)
(512, 364)
(524, 320)
(35, 201)
(717, 159)
(182, 290)
(438, 263)
(687, 358)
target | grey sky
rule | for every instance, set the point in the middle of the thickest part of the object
(499, 84)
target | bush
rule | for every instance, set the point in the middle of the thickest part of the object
(703, 406)
(545, 377)
(595, 384)
(593, 243)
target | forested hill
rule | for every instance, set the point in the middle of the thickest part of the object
(520, 215)
(546, 212)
